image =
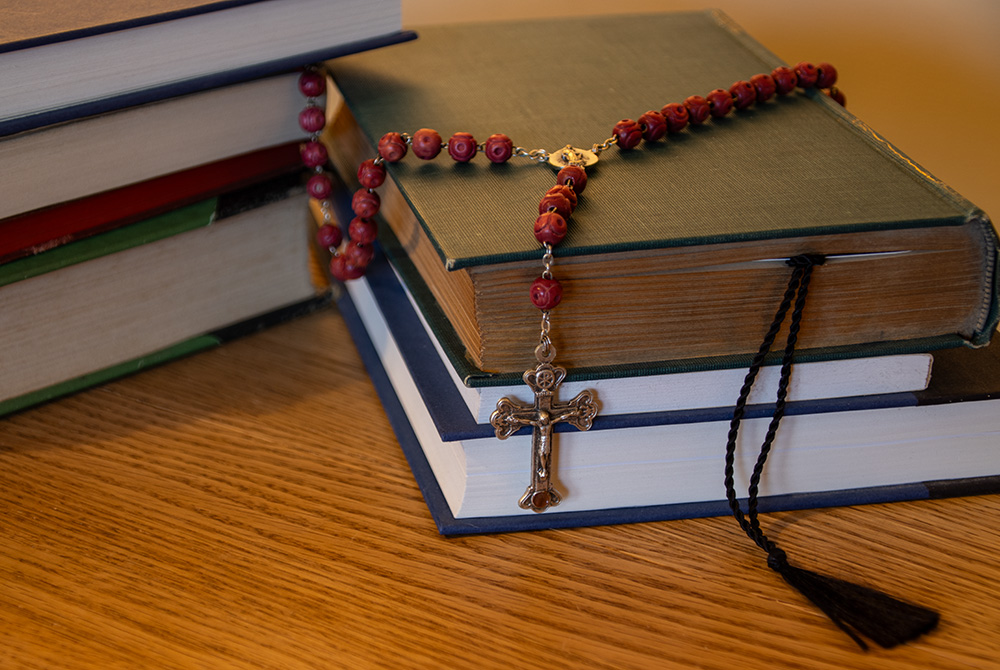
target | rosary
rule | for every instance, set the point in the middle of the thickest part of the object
(554, 211)
(857, 610)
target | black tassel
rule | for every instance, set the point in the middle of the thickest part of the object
(857, 610)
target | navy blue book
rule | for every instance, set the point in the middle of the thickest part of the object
(72, 59)
(938, 442)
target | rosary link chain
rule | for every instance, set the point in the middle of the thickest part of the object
(545, 352)
(548, 260)
(606, 144)
(546, 324)
(540, 155)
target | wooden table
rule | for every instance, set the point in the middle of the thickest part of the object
(249, 507)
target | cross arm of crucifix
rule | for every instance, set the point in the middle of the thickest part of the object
(511, 415)
(578, 412)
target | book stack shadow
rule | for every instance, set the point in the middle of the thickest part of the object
(153, 201)
(894, 393)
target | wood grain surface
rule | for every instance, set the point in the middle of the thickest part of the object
(249, 508)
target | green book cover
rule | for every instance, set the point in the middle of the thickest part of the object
(798, 167)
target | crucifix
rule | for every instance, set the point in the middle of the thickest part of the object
(542, 415)
(544, 379)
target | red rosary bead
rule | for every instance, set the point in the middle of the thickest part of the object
(654, 126)
(462, 147)
(312, 84)
(545, 293)
(362, 230)
(343, 270)
(574, 174)
(312, 119)
(371, 174)
(392, 147)
(784, 80)
(628, 132)
(806, 74)
(550, 228)
(359, 255)
(365, 203)
(827, 75)
(763, 84)
(837, 95)
(426, 143)
(676, 115)
(329, 236)
(720, 102)
(557, 201)
(499, 148)
(566, 191)
(743, 94)
(319, 186)
(698, 109)
(313, 154)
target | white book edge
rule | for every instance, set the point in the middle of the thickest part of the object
(92, 315)
(659, 465)
(170, 135)
(711, 388)
(58, 74)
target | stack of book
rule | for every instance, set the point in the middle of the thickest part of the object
(152, 188)
(672, 271)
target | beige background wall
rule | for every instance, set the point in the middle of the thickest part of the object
(924, 73)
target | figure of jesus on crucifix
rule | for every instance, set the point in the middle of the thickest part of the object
(542, 415)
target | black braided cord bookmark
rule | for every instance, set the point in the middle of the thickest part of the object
(857, 610)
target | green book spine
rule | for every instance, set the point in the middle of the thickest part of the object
(156, 228)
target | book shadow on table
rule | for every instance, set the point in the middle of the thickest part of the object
(264, 371)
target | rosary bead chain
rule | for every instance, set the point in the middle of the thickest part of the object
(719, 102)
(350, 258)
(312, 119)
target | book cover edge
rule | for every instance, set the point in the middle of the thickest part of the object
(174, 89)
(133, 21)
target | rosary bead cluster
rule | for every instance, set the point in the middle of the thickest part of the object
(551, 227)
(695, 110)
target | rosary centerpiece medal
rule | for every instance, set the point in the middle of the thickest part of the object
(544, 379)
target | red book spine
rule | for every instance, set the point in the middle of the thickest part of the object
(42, 229)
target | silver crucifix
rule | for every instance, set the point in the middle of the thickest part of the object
(542, 415)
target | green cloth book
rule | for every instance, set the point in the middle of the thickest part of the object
(674, 257)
